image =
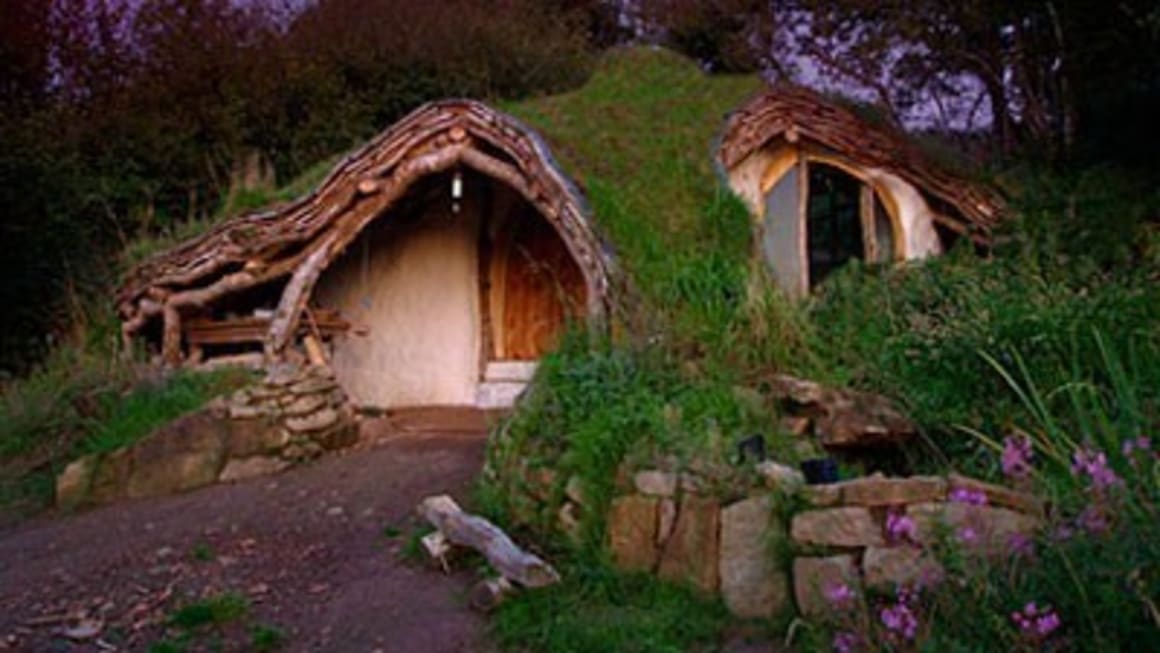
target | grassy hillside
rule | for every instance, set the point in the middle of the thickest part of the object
(1054, 334)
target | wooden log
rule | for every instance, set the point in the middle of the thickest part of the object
(294, 297)
(315, 354)
(476, 532)
(171, 337)
(489, 593)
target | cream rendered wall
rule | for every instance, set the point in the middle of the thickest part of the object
(417, 295)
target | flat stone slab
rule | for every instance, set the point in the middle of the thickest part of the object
(323, 419)
(814, 578)
(883, 491)
(751, 584)
(691, 553)
(850, 526)
(886, 568)
(632, 532)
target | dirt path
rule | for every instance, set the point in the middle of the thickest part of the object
(317, 552)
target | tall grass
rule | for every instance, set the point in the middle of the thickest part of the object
(1095, 565)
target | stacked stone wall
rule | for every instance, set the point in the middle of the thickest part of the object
(292, 415)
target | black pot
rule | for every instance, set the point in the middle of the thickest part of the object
(820, 471)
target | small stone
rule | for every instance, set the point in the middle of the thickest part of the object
(574, 490)
(655, 483)
(632, 527)
(323, 419)
(335, 511)
(883, 491)
(569, 520)
(666, 517)
(691, 553)
(83, 630)
(795, 425)
(780, 477)
(821, 496)
(313, 386)
(282, 374)
(303, 405)
(751, 584)
(888, 567)
(846, 527)
(240, 469)
(73, 484)
(343, 434)
(242, 412)
(814, 577)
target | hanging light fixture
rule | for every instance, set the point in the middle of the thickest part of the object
(456, 190)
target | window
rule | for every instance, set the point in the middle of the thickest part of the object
(842, 218)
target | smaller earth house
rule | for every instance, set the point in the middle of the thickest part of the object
(825, 186)
(434, 266)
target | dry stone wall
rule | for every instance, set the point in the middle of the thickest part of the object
(767, 543)
(294, 414)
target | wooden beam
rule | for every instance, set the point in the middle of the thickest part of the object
(476, 532)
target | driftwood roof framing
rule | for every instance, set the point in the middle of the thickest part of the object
(792, 113)
(298, 240)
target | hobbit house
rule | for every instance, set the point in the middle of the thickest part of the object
(432, 267)
(825, 186)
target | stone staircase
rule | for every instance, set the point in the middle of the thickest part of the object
(503, 382)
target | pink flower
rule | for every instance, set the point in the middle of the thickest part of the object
(968, 496)
(900, 528)
(1016, 457)
(900, 620)
(1020, 545)
(967, 535)
(1094, 464)
(845, 642)
(1036, 622)
(1092, 520)
(839, 594)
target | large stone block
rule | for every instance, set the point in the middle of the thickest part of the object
(243, 468)
(752, 585)
(632, 531)
(816, 578)
(850, 526)
(251, 437)
(185, 454)
(888, 567)
(655, 483)
(111, 478)
(882, 491)
(691, 553)
(73, 484)
(318, 421)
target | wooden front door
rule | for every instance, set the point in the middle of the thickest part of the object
(542, 289)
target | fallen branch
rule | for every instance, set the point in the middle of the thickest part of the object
(476, 532)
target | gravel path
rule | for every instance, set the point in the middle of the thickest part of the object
(317, 552)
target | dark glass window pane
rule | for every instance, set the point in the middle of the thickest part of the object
(834, 220)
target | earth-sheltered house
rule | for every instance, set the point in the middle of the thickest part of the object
(432, 267)
(825, 186)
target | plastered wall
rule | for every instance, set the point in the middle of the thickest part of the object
(412, 296)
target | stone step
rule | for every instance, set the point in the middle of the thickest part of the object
(510, 371)
(498, 394)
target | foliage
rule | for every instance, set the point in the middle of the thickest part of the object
(914, 332)
(1089, 580)
(126, 120)
(216, 610)
(600, 610)
(86, 398)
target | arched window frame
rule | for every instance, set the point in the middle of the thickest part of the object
(801, 158)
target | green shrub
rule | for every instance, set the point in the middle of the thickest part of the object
(1091, 577)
